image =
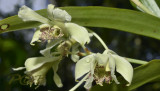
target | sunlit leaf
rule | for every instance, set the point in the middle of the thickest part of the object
(120, 19)
(145, 73)
(16, 23)
(110, 87)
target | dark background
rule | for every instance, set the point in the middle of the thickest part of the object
(15, 47)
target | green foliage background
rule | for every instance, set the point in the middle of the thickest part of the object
(15, 49)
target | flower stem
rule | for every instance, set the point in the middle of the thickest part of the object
(105, 46)
(100, 40)
(140, 5)
(78, 84)
(136, 61)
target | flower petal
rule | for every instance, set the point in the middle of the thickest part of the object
(61, 15)
(112, 66)
(56, 78)
(102, 59)
(35, 37)
(84, 65)
(88, 83)
(90, 79)
(46, 52)
(50, 11)
(34, 63)
(19, 68)
(78, 33)
(28, 14)
(124, 68)
(75, 50)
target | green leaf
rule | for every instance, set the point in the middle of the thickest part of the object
(16, 23)
(120, 19)
(145, 73)
(110, 87)
(158, 2)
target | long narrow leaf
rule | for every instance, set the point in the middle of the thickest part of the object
(145, 73)
(15, 23)
(120, 19)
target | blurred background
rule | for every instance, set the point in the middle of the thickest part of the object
(15, 46)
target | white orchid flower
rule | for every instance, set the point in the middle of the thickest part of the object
(102, 68)
(59, 33)
(55, 26)
(37, 68)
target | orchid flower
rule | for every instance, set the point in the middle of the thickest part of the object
(102, 68)
(37, 68)
(56, 26)
(57, 31)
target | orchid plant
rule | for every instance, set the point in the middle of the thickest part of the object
(64, 38)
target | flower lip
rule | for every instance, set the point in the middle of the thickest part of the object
(50, 32)
(100, 75)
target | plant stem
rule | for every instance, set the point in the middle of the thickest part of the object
(100, 40)
(140, 5)
(136, 61)
(78, 84)
(105, 46)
